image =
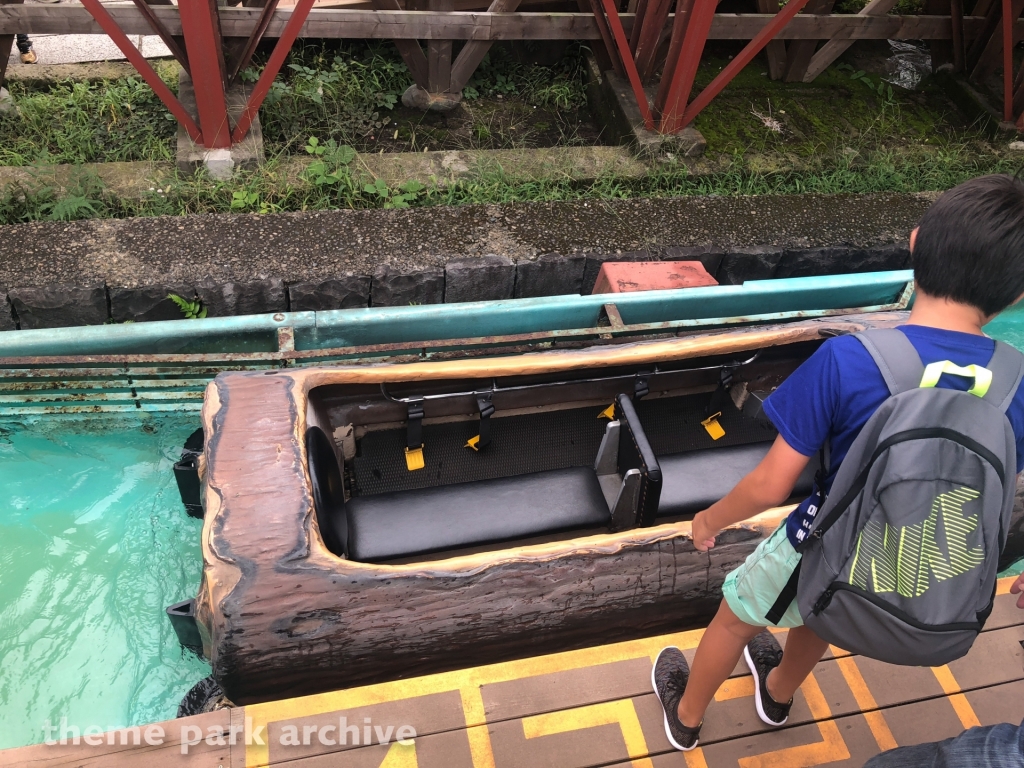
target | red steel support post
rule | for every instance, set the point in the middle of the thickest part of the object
(108, 25)
(622, 44)
(770, 30)
(1008, 21)
(698, 25)
(200, 24)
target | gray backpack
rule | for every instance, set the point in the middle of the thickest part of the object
(900, 564)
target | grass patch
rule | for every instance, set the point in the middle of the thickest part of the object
(74, 123)
(329, 184)
(351, 92)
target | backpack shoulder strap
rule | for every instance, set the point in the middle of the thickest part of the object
(895, 356)
(1007, 366)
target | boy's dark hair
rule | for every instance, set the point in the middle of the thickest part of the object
(970, 245)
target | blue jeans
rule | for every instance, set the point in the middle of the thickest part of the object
(993, 746)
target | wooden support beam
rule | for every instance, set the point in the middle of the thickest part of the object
(833, 49)
(956, 15)
(473, 52)
(425, 25)
(410, 51)
(799, 52)
(776, 49)
(439, 55)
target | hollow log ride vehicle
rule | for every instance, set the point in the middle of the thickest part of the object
(373, 522)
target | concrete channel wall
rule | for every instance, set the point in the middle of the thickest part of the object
(116, 271)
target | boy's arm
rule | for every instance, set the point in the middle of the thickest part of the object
(769, 484)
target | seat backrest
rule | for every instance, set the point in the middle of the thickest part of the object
(328, 491)
(635, 453)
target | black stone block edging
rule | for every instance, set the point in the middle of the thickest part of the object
(477, 278)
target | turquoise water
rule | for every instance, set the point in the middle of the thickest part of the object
(94, 544)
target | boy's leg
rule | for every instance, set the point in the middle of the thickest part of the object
(803, 650)
(717, 654)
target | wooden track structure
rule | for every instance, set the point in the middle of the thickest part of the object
(594, 707)
(635, 37)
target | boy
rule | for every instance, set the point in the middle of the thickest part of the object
(968, 258)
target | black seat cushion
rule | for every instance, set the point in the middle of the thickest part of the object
(415, 522)
(695, 480)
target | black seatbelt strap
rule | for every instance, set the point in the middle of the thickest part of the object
(640, 386)
(414, 436)
(721, 393)
(786, 596)
(486, 408)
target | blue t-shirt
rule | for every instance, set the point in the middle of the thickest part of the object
(834, 393)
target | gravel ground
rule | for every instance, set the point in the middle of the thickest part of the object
(316, 246)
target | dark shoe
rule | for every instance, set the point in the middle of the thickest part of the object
(762, 655)
(669, 678)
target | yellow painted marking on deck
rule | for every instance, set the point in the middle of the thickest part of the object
(621, 713)
(695, 758)
(401, 756)
(462, 681)
(951, 688)
(865, 701)
(479, 736)
(735, 688)
(467, 680)
(831, 748)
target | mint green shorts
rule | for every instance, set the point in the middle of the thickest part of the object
(752, 589)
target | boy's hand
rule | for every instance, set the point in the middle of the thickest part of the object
(704, 535)
(1017, 588)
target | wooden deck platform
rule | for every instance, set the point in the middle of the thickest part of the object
(592, 707)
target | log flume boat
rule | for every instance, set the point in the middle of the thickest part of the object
(366, 523)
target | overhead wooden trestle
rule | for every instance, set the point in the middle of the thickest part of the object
(218, 43)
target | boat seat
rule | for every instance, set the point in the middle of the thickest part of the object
(416, 522)
(693, 481)
(619, 489)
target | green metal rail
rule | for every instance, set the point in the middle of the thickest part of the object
(166, 366)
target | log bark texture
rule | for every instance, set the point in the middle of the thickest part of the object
(281, 616)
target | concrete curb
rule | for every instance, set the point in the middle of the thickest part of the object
(482, 278)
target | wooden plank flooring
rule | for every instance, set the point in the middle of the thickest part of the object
(590, 708)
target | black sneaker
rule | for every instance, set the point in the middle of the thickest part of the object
(763, 654)
(669, 678)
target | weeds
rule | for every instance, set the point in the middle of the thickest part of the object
(74, 122)
(264, 191)
(190, 310)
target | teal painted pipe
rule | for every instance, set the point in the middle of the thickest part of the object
(358, 327)
(246, 333)
(387, 325)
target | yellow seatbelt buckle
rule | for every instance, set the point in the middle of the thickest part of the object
(472, 443)
(608, 413)
(414, 458)
(713, 427)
